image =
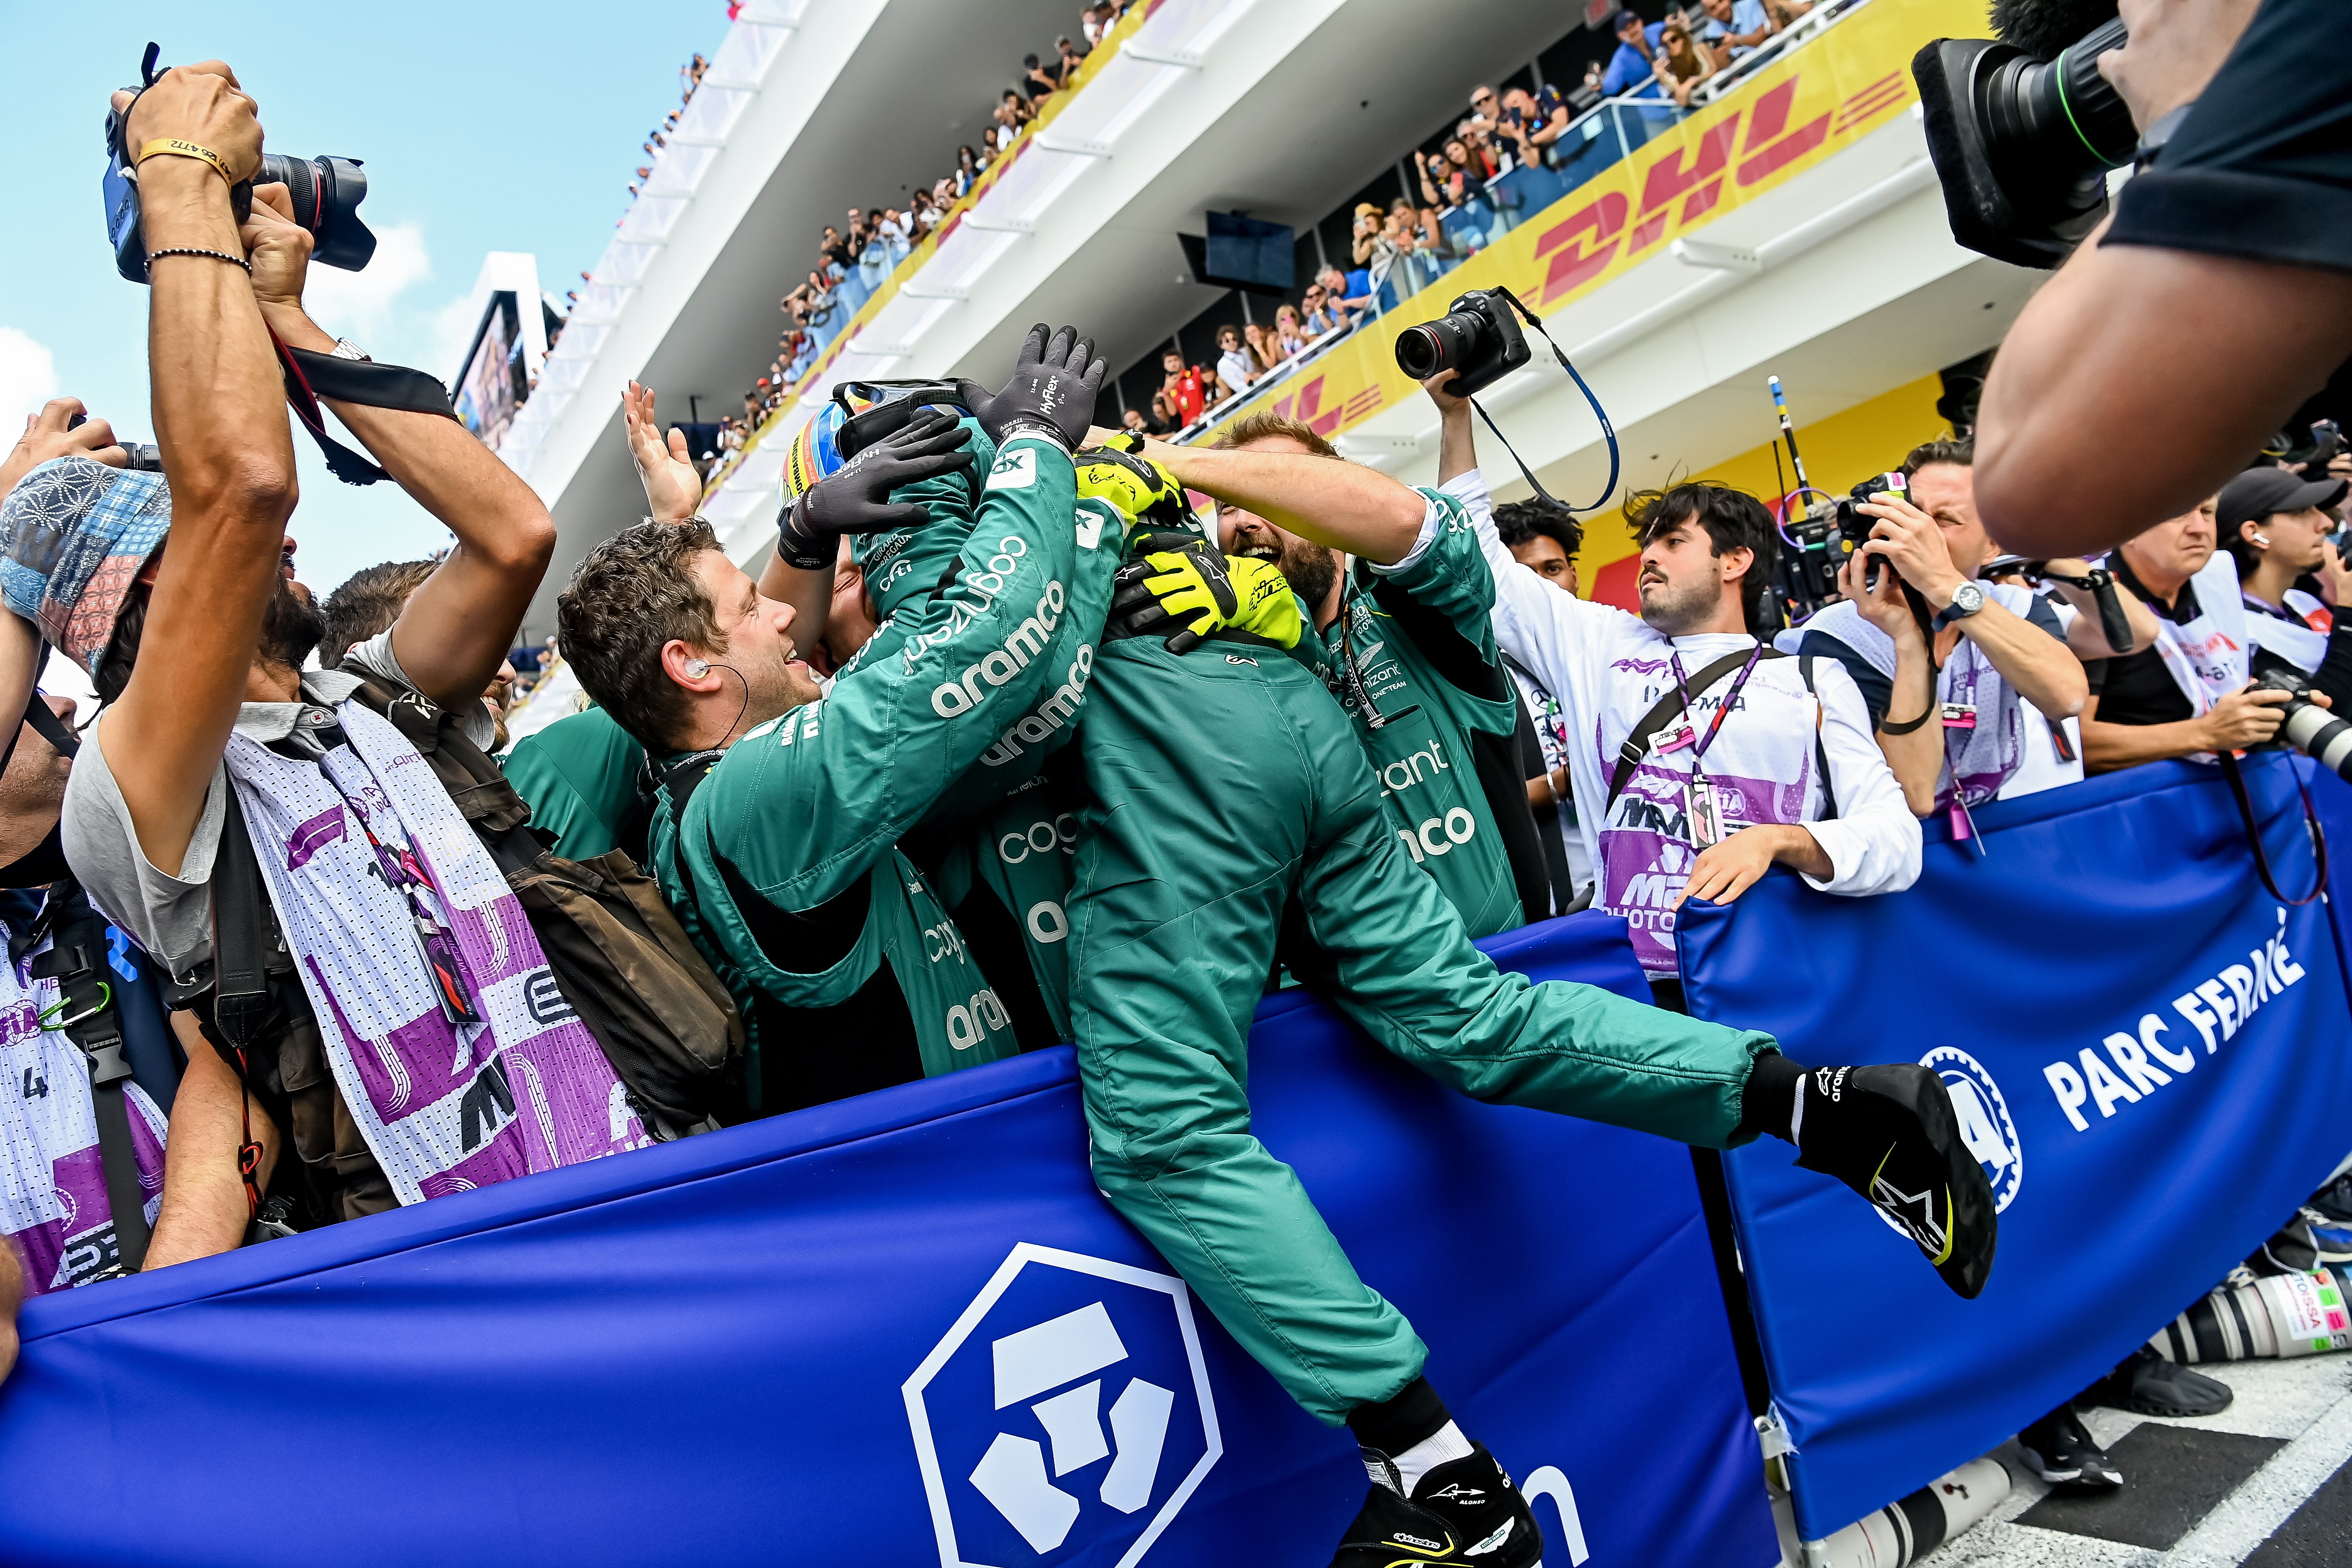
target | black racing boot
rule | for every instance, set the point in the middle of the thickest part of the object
(2148, 1384)
(2059, 1449)
(1889, 1133)
(1464, 1512)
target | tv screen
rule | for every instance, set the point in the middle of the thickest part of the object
(493, 386)
(1249, 253)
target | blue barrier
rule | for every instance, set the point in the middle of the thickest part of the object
(807, 1337)
(2147, 1046)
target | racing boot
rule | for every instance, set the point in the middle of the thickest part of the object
(1464, 1512)
(1889, 1133)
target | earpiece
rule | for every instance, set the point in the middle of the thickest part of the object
(697, 668)
(2258, 538)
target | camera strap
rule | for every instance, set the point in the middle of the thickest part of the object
(310, 376)
(1608, 431)
(2231, 771)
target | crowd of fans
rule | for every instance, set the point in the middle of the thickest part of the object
(854, 257)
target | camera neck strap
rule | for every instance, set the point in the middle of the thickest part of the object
(1608, 431)
(310, 376)
(2232, 771)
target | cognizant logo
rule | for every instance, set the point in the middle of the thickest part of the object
(1068, 1408)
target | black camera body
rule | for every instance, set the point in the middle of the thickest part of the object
(2022, 146)
(1477, 338)
(325, 194)
(1813, 548)
(1853, 525)
(2308, 727)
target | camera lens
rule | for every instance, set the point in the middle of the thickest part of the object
(1434, 347)
(2319, 735)
(325, 194)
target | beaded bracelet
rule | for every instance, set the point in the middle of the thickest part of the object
(195, 250)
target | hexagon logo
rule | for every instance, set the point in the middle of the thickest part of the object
(1068, 1408)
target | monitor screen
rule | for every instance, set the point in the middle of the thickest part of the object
(1249, 253)
(494, 385)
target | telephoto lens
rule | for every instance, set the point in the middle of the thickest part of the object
(1478, 339)
(2308, 727)
(1446, 343)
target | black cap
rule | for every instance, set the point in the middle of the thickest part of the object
(2262, 493)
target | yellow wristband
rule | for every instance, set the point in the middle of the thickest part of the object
(172, 147)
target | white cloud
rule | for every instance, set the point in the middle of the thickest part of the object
(29, 378)
(359, 305)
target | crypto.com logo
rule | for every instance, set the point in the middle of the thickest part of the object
(1068, 1407)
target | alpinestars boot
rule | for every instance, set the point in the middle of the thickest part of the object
(1464, 1512)
(1889, 1133)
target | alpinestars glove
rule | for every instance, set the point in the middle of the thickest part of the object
(857, 498)
(1189, 590)
(1051, 395)
(1144, 497)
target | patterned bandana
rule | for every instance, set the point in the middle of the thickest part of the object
(73, 536)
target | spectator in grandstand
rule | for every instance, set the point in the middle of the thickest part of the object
(1681, 64)
(1708, 807)
(1632, 70)
(1996, 664)
(1449, 179)
(1259, 341)
(2185, 696)
(1533, 122)
(1132, 419)
(1072, 57)
(1545, 539)
(1187, 387)
(1010, 116)
(147, 813)
(1094, 22)
(1734, 28)
(1233, 367)
(1320, 314)
(2271, 524)
(1165, 419)
(1290, 334)
(991, 146)
(1348, 308)
(1375, 248)
(1039, 81)
(968, 168)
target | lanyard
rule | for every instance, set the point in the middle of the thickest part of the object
(1682, 684)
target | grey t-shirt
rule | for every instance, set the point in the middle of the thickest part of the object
(171, 916)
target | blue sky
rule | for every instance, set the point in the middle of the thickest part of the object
(484, 126)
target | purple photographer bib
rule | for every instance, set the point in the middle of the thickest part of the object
(457, 1055)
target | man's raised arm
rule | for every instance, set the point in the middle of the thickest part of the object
(228, 453)
(455, 630)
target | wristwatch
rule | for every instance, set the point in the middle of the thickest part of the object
(346, 349)
(1966, 600)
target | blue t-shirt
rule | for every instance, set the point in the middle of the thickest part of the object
(1629, 68)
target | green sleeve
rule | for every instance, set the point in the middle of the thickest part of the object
(801, 806)
(1451, 579)
(579, 776)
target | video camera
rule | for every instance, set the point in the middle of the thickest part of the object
(2023, 146)
(1815, 547)
(326, 193)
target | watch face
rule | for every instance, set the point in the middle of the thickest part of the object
(1968, 598)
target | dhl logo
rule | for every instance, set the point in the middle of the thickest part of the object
(1677, 187)
(1749, 148)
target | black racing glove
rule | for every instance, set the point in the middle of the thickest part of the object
(856, 499)
(1052, 393)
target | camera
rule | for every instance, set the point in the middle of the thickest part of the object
(2022, 146)
(1853, 525)
(1477, 338)
(2308, 727)
(1815, 546)
(326, 193)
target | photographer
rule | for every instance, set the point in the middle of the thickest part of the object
(1995, 649)
(1759, 745)
(2184, 696)
(2233, 237)
(2271, 524)
(218, 764)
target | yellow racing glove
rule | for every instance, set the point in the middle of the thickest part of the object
(1141, 495)
(1186, 589)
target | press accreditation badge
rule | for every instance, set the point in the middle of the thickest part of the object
(1702, 812)
(1959, 716)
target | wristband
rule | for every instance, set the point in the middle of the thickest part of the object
(797, 546)
(172, 147)
(1039, 428)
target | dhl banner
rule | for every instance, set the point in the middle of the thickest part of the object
(1792, 117)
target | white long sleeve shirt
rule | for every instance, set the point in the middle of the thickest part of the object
(1607, 669)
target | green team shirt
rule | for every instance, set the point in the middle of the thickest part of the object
(1412, 657)
(802, 808)
(579, 776)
